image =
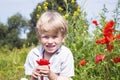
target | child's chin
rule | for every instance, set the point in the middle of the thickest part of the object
(51, 51)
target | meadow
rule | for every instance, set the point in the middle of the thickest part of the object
(96, 57)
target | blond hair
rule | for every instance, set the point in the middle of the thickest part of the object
(51, 22)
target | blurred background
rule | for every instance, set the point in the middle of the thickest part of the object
(86, 21)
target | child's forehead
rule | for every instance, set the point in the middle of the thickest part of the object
(51, 33)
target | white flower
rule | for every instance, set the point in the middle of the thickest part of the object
(23, 79)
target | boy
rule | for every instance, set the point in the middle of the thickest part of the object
(51, 29)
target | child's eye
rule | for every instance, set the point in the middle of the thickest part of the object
(55, 36)
(45, 37)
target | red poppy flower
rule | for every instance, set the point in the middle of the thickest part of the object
(95, 22)
(99, 58)
(108, 28)
(109, 47)
(101, 41)
(43, 62)
(116, 59)
(109, 38)
(109, 24)
(82, 62)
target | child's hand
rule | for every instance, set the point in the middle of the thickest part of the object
(43, 70)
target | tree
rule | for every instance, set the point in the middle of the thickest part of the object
(15, 23)
(3, 32)
(64, 7)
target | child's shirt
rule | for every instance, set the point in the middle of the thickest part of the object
(61, 62)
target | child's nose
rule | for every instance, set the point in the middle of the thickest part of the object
(50, 40)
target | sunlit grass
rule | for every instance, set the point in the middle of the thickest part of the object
(82, 45)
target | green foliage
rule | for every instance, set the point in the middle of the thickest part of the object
(81, 43)
(12, 63)
(16, 22)
(3, 32)
(63, 7)
(9, 34)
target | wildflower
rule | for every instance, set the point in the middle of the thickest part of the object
(99, 58)
(95, 22)
(39, 7)
(116, 59)
(108, 35)
(72, 1)
(109, 47)
(45, 8)
(82, 62)
(109, 38)
(23, 79)
(43, 62)
(107, 32)
(60, 9)
(78, 8)
(45, 3)
(101, 41)
(37, 15)
(108, 28)
(109, 24)
(66, 16)
(75, 13)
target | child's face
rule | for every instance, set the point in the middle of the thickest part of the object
(51, 42)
